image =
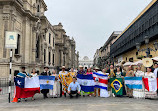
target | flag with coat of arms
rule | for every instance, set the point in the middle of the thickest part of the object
(117, 86)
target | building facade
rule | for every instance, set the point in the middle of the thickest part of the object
(145, 25)
(86, 62)
(38, 41)
(65, 49)
(106, 59)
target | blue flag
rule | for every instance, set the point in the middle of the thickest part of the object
(46, 82)
(86, 82)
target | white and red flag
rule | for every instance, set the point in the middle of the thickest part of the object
(26, 87)
(101, 81)
(150, 84)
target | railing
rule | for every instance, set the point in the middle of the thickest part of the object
(4, 85)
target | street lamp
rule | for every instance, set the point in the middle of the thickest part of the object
(146, 39)
(138, 46)
(147, 49)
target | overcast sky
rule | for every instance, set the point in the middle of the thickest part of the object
(91, 22)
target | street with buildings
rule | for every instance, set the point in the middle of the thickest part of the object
(48, 50)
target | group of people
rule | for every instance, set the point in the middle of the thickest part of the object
(69, 85)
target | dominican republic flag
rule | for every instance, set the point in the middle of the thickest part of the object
(133, 82)
(26, 87)
(101, 81)
(86, 82)
(46, 82)
(150, 84)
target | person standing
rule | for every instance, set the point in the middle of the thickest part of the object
(111, 72)
(152, 85)
(72, 73)
(96, 80)
(54, 92)
(63, 84)
(34, 74)
(139, 93)
(130, 73)
(45, 73)
(74, 88)
(23, 74)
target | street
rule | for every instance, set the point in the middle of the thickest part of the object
(80, 104)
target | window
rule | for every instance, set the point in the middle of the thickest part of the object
(37, 47)
(44, 55)
(53, 42)
(49, 59)
(53, 59)
(131, 59)
(49, 38)
(38, 8)
(17, 51)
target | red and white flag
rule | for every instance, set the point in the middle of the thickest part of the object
(150, 84)
(27, 87)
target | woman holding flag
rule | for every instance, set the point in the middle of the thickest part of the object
(139, 93)
(54, 92)
(150, 84)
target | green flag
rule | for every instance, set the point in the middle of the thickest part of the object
(117, 86)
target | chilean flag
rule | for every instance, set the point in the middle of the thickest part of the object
(26, 87)
(150, 84)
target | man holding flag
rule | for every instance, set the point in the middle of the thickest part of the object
(45, 73)
(25, 86)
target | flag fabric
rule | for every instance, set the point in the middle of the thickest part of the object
(86, 82)
(46, 82)
(26, 87)
(133, 82)
(117, 86)
(150, 84)
(101, 81)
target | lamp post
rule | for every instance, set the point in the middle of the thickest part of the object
(147, 49)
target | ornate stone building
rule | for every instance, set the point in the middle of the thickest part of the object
(39, 43)
(65, 49)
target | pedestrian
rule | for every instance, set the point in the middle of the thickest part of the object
(34, 74)
(152, 85)
(23, 74)
(72, 73)
(54, 92)
(96, 90)
(129, 73)
(45, 73)
(139, 93)
(81, 71)
(111, 72)
(74, 88)
(119, 74)
(63, 84)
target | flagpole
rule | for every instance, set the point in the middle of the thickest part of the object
(10, 75)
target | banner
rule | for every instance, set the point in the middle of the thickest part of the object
(150, 84)
(86, 82)
(133, 82)
(117, 86)
(26, 87)
(46, 82)
(101, 81)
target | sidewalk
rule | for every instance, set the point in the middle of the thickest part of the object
(82, 103)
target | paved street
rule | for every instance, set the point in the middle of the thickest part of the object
(81, 104)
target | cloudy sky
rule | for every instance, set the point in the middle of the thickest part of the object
(91, 22)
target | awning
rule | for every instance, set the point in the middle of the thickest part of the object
(128, 64)
(155, 58)
(137, 63)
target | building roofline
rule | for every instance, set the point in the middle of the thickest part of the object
(140, 15)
